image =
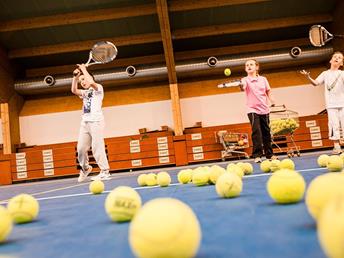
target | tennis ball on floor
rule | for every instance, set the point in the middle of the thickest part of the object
(342, 156)
(265, 166)
(122, 203)
(228, 185)
(287, 163)
(165, 227)
(200, 176)
(248, 168)
(23, 208)
(275, 165)
(215, 172)
(96, 187)
(331, 228)
(227, 72)
(286, 186)
(322, 160)
(141, 180)
(334, 163)
(230, 165)
(151, 179)
(163, 179)
(236, 170)
(5, 223)
(185, 176)
(322, 189)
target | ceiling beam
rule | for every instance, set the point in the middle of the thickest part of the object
(111, 14)
(83, 45)
(77, 17)
(182, 5)
(251, 26)
(179, 56)
(165, 29)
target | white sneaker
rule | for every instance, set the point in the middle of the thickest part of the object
(258, 160)
(102, 176)
(83, 174)
(336, 151)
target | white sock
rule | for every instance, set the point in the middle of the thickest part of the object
(336, 145)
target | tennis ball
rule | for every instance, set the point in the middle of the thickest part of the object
(5, 223)
(342, 156)
(163, 179)
(96, 187)
(122, 203)
(151, 179)
(165, 227)
(228, 185)
(265, 166)
(200, 176)
(275, 165)
(248, 168)
(230, 165)
(334, 163)
(23, 208)
(227, 72)
(331, 228)
(322, 160)
(236, 170)
(322, 189)
(141, 180)
(215, 172)
(286, 186)
(185, 176)
(287, 163)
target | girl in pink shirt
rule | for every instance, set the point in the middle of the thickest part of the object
(258, 96)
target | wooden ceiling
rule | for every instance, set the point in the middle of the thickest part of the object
(50, 37)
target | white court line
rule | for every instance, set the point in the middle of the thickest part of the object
(147, 187)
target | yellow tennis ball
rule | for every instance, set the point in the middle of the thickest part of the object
(227, 72)
(23, 208)
(236, 170)
(163, 179)
(5, 223)
(165, 227)
(151, 179)
(141, 180)
(96, 187)
(228, 185)
(122, 203)
(275, 165)
(185, 176)
(287, 163)
(248, 168)
(331, 228)
(286, 186)
(334, 163)
(322, 189)
(200, 176)
(230, 165)
(215, 172)
(322, 160)
(265, 166)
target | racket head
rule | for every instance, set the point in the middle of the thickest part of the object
(103, 52)
(319, 36)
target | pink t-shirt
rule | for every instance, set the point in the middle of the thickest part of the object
(256, 89)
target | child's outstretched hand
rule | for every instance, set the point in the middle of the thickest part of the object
(304, 72)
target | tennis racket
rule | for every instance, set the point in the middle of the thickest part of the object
(319, 36)
(101, 53)
(235, 83)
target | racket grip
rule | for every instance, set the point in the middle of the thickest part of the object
(229, 84)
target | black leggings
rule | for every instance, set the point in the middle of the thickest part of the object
(261, 137)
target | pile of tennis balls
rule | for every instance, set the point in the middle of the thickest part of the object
(283, 126)
(162, 179)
